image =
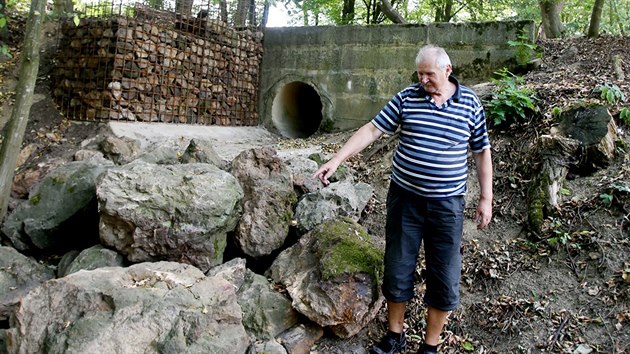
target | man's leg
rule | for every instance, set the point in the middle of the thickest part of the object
(395, 316)
(436, 319)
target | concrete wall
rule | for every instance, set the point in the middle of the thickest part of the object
(355, 70)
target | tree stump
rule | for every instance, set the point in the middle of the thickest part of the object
(582, 143)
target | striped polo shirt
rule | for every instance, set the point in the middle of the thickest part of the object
(431, 157)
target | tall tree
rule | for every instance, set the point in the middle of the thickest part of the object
(550, 14)
(184, 7)
(391, 13)
(347, 12)
(61, 7)
(16, 125)
(240, 15)
(4, 28)
(596, 19)
(265, 14)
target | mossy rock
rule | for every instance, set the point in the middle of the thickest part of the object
(345, 247)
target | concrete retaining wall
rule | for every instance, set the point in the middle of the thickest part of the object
(355, 70)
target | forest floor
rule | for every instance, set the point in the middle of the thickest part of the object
(567, 291)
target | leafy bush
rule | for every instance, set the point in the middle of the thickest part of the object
(624, 116)
(525, 50)
(610, 93)
(510, 102)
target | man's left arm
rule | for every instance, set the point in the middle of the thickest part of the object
(483, 164)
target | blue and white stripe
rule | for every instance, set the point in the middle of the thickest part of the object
(431, 158)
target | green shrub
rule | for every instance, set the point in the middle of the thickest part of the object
(624, 116)
(510, 102)
(610, 93)
(525, 50)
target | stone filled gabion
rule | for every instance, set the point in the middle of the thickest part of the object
(122, 68)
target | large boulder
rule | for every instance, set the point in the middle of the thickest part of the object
(92, 258)
(18, 275)
(61, 211)
(121, 150)
(332, 275)
(266, 312)
(202, 151)
(302, 169)
(337, 199)
(163, 307)
(169, 212)
(268, 202)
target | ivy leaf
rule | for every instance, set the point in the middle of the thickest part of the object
(3, 21)
(468, 346)
(76, 20)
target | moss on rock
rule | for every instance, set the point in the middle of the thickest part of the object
(345, 247)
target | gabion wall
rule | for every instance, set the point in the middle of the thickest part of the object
(159, 67)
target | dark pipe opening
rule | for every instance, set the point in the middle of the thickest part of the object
(297, 110)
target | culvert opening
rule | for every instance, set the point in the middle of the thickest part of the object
(297, 110)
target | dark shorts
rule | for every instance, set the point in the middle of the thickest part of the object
(412, 219)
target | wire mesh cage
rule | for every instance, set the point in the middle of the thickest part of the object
(160, 64)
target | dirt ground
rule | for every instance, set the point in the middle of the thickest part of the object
(520, 294)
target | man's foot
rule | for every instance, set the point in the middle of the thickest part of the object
(391, 343)
(427, 349)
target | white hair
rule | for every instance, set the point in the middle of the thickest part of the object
(431, 51)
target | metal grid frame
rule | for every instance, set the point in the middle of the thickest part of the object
(142, 64)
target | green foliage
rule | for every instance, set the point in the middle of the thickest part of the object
(560, 235)
(606, 199)
(624, 116)
(612, 94)
(511, 102)
(469, 347)
(525, 50)
(556, 112)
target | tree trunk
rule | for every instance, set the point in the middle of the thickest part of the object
(223, 10)
(184, 7)
(63, 6)
(444, 11)
(265, 15)
(4, 30)
(14, 133)
(596, 18)
(584, 142)
(347, 13)
(240, 16)
(391, 13)
(550, 14)
(252, 13)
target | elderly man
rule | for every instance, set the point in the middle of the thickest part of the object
(438, 120)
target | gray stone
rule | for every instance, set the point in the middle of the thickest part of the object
(84, 154)
(121, 150)
(18, 275)
(161, 155)
(269, 347)
(302, 169)
(332, 276)
(92, 258)
(65, 261)
(60, 213)
(169, 212)
(300, 338)
(163, 307)
(337, 199)
(266, 312)
(268, 203)
(202, 151)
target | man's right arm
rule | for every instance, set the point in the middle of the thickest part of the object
(366, 135)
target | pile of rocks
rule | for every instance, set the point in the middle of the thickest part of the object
(124, 68)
